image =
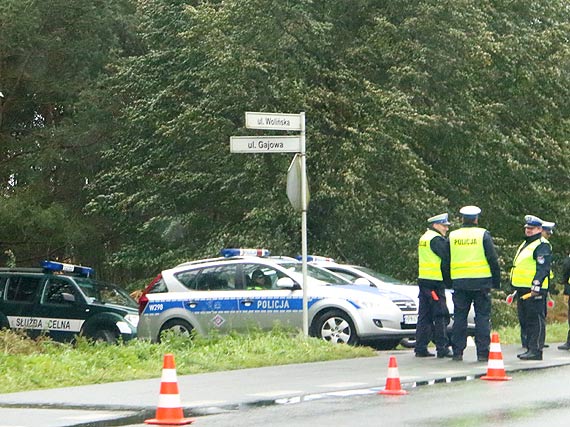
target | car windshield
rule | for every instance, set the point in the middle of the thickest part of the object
(105, 293)
(379, 276)
(316, 273)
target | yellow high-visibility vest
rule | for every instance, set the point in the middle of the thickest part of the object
(524, 265)
(429, 263)
(468, 259)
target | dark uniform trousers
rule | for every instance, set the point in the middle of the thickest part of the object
(462, 300)
(531, 314)
(433, 318)
(567, 292)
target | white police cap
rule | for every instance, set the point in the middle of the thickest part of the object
(548, 226)
(439, 219)
(532, 221)
(470, 211)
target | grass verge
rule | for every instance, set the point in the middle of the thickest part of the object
(28, 365)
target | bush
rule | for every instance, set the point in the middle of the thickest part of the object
(14, 342)
(503, 314)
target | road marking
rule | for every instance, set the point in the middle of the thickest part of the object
(203, 402)
(342, 385)
(95, 416)
(350, 393)
(277, 393)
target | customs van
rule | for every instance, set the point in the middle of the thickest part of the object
(63, 301)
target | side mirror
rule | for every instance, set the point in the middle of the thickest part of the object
(286, 283)
(361, 281)
(67, 297)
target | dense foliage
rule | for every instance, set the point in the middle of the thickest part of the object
(115, 126)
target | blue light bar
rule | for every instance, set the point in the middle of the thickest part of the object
(228, 252)
(315, 258)
(67, 268)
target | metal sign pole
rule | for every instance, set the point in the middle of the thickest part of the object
(304, 227)
(283, 144)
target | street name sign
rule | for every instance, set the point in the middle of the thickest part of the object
(277, 121)
(265, 144)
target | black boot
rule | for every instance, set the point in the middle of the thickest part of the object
(531, 355)
(565, 346)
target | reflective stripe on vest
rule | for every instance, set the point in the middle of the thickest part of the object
(429, 263)
(524, 265)
(468, 254)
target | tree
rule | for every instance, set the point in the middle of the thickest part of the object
(51, 52)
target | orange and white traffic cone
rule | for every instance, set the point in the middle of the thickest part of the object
(495, 367)
(169, 410)
(393, 386)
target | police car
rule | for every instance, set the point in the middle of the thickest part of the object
(382, 281)
(62, 301)
(247, 289)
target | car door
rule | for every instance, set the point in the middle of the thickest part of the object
(20, 303)
(63, 308)
(266, 307)
(212, 303)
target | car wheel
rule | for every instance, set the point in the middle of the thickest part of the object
(176, 327)
(104, 335)
(408, 342)
(337, 327)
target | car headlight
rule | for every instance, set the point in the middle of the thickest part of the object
(133, 319)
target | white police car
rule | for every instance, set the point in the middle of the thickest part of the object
(246, 289)
(62, 301)
(382, 281)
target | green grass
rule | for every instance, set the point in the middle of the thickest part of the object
(28, 365)
(555, 333)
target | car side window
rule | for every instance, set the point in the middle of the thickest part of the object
(346, 274)
(57, 291)
(187, 278)
(260, 277)
(22, 289)
(3, 281)
(216, 278)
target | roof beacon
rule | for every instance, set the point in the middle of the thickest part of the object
(229, 252)
(315, 258)
(68, 268)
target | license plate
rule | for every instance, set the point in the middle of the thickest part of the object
(410, 319)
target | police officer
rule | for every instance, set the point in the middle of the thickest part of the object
(433, 277)
(547, 232)
(474, 268)
(531, 268)
(565, 279)
(259, 281)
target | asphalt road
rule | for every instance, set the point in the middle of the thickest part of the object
(532, 398)
(130, 403)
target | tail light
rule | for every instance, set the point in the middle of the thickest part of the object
(143, 300)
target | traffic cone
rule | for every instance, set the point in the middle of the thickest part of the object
(393, 386)
(169, 410)
(495, 367)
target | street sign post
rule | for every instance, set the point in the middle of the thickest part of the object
(283, 144)
(294, 178)
(265, 144)
(277, 121)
